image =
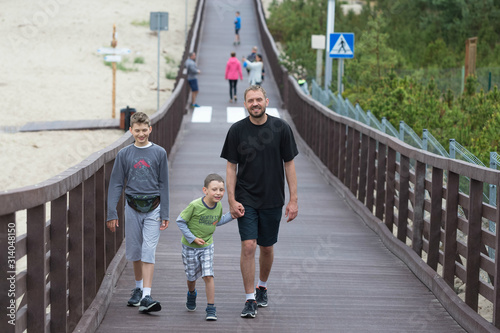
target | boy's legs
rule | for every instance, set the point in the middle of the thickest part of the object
(210, 289)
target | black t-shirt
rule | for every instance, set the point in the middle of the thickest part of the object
(259, 151)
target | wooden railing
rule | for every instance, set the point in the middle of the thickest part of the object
(52, 273)
(408, 196)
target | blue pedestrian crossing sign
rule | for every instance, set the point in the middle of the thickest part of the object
(342, 45)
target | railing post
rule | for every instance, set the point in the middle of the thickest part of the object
(452, 149)
(425, 138)
(493, 201)
(8, 277)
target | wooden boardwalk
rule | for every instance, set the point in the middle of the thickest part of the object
(331, 272)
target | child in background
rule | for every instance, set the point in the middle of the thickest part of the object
(197, 223)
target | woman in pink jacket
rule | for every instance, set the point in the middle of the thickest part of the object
(233, 71)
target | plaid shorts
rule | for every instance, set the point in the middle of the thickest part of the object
(198, 262)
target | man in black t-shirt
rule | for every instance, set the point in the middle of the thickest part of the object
(260, 151)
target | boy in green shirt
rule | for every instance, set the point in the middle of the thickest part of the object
(197, 223)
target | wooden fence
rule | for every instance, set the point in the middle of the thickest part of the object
(408, 196)
(52, 273)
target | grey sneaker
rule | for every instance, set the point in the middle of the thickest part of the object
(149, 305)
(135, 299)
(191, 301)
(211, 313)
(250, 309)
(261, 296)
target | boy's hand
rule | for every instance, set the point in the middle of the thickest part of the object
(164, 225)
(199, 241)
(112, 225)
(236, 209)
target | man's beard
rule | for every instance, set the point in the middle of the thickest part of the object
(263, 111)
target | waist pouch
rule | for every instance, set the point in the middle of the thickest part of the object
(143, 203)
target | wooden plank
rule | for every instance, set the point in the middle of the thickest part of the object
(496, 300)
(348, 157)
(89, 242)
(355, 162)
(390, 192)
(418, 218)
(100, 224)
(36, 251)
(371, 172)
(435, 219)
(404, 187)
(59, 264)
(363, 168)
(380, 176)
(75, 257)
(473, 246)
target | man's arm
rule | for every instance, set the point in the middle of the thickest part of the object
(235, 207)
(292, 209)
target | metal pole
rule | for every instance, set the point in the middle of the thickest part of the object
(340, 74)
(319, 65)
(330, 24)
(158, 85)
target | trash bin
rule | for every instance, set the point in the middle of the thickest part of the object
(125, 117)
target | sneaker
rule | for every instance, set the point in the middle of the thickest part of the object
(261, 296)
(135, 299)
(211, 313)
(149, 305)
(191, 301)
(250, 309)
(235, 99)
(195, 105)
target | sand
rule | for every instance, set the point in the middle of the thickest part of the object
(52, 71)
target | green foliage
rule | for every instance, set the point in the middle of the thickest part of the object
(424, 37)
(142, 23)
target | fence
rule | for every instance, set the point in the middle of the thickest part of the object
(52, 273)
(416, 216)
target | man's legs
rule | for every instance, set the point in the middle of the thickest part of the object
(247, 264)
(193, 97)
(266, 259)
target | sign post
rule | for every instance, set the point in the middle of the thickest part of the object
(158, 21)
(318, 43)
(330, 25)
(341, 47)
(113, 58)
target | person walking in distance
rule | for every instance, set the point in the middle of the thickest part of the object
(192, 77)
(237, 27)
(142, 169)
(233, 72)
(260, 151)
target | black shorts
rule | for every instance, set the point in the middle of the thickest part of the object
(236, 30)
(260, 224)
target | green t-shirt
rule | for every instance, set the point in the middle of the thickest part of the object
(201, 221)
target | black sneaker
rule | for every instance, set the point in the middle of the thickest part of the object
(211, 313)
(250, 309)
(261, 297)
(149, 305)
(191, 301)
(135, 299)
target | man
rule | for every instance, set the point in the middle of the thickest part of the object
(256, 149)
(251, 57)
(192, 77)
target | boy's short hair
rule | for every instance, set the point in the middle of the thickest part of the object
(139, 118)
(211, 177)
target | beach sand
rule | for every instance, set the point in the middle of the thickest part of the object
(52, 71)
